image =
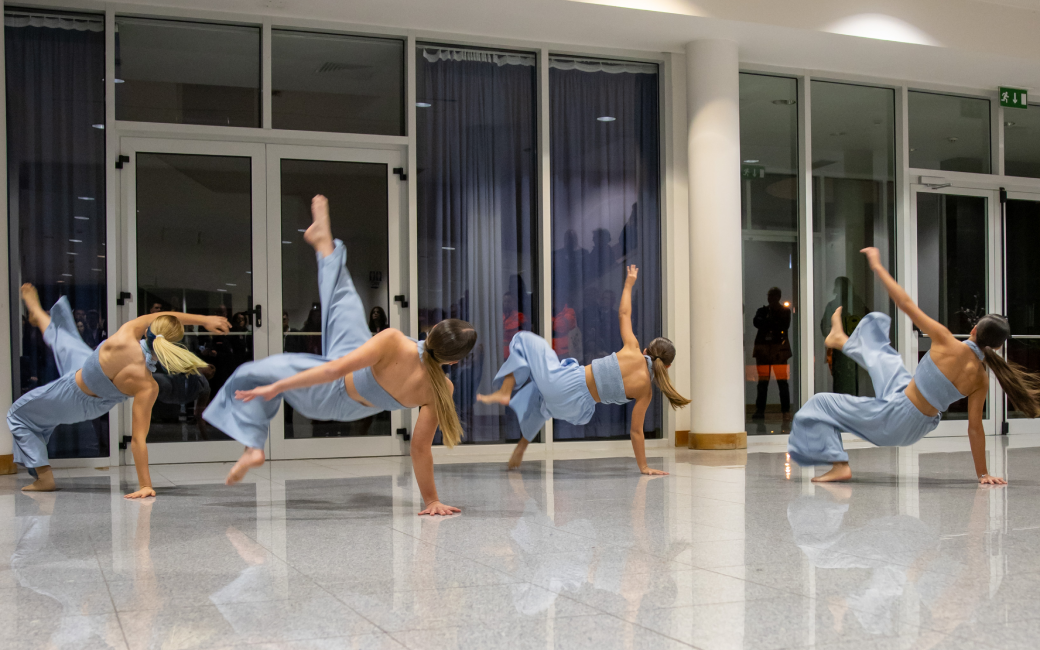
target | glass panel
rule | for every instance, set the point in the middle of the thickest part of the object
(477, 147)
(330, 82)
(853, 154)
(605, 214)
(187, 73)
(949, 133)
(951, 268)
(1022, 241)
(194, 254)
(1022, 142)
(56, 203)
(769, 220)
(357, 194)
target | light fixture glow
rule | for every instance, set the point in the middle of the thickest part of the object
(98, 126)
(66, 275)
(423, 104)
(286, 242)
(82, 218)
(606, 118)
(880, 27)
(230, 284)
(71, 253)
(783, 102)
(787, 304)
(301, 230)
(76, 241)
(85, 198)
(118, 81)
(447, 248)
(750, 162)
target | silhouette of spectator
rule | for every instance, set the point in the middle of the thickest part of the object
(772, 351)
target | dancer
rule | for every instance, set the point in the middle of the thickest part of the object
(346, 382)
(907, 408)
(549, 388)
(92, 382)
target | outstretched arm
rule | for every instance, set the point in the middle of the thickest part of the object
(933, 328)
(625, 309)
(638, 439)
(144, 399)
(140, 325)
(367, 355)
(977, 436)
(422, 462)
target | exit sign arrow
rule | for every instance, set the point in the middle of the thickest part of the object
(1013, 97)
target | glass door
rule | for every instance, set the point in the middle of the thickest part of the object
(196, 233)
(364, 203)
(1021, 244)
(955, 282)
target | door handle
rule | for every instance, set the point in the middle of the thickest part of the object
(257, 313)
(403, 300)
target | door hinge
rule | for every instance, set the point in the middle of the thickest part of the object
(1003, 196)
(120, 160)
(403, 300)
(123, 297)
(400, 172)
(404, 434)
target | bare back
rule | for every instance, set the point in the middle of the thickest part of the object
(122, 361)
(399, 370)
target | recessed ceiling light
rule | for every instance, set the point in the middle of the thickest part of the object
(606, 118)
(1009, 124)
(783, 102)
(223, 290)
(447, 248)
(76, 241)
(98, 126)
(286, 242)
(85, 198)
(749, 162)
(301, 230)
(423, 104)
(230, 284)
(71, 253)
(66, 275)
(82, 218)
(118, 81)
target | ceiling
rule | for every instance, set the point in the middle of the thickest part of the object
(968, 43)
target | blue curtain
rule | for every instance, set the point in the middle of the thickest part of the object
(606, 214)
(55, 68)
(477, 204)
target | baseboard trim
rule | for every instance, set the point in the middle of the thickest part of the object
(7, 464)
(718, 440)
(682, 438)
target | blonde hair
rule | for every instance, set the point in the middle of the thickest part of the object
(662, 354)
(173, 356)
(449, 340)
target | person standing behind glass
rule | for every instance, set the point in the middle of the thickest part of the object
(772, 351)
(844, 371)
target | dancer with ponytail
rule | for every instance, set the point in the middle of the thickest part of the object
(347, 382)
(908, 408)
(546, 387)
(92, 382)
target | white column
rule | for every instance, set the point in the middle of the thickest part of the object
(716, 285)
(6, 368)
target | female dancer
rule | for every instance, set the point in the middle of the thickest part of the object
(347, 382)
(907, 408)
(92, 382)
(550, 388)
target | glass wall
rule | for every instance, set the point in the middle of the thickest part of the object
(55, 66)
(477, 189)
(1022, 264)
(187, 72)
(1022, 142)
(853, 162)
(769, 223)
(606, 214)
(949, 133)
(332, 82)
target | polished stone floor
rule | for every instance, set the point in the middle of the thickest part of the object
(732, 550)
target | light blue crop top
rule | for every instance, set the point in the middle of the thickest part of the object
(610, 385)
(367, 387)
(96, 380)
(933, 384)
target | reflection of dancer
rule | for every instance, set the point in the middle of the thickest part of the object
(549, 388)
(92, 382)
(350, 386)
(772, 351)
(907, 408)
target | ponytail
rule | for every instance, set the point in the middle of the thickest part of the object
(662, 354)
(449, 340)
(1021, 386)
(664, 382)
(163, 338)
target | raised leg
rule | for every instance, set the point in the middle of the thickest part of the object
(251, 458)
(502, 395)
(37, 316)
(319, 234)
(837, 338)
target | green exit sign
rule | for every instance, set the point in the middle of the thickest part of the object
(1013, 97)
(752, 171)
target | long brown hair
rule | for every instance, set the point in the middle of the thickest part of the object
(662, 354)
(1021, 386)
(449, 340)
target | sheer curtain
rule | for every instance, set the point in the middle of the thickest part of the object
(477, 196)
(55, 65)
(605, 159)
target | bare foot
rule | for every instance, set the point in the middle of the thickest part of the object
(839, 491)
(37, 316)
(44, 481)
(251, 458)
(498, 397)
(839, 472)
(837, 338)
(518, 454)
(319, 234)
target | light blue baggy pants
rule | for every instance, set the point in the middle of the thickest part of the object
(546, 387)
(33, 418)
(344, 328)
(888, 420)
